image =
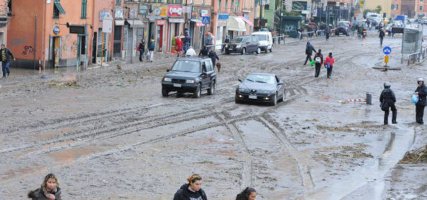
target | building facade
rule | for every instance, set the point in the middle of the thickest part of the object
(5, 12)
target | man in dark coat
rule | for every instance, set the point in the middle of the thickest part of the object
(388, 101)
(309, 49)
(421, 91)
(213, 56)
(141, 49)
(204, 51)
(6, 58)
(382, 34)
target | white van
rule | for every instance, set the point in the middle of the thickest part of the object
(265, 40)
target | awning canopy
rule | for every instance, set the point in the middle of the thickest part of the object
(119, 22)
(247, 21)
(59, 7)
(236, 24)
(135, 23)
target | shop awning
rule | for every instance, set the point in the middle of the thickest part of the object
(135, 23)
(247, 21)
(119, 22)
(236, 24)
(59, 7)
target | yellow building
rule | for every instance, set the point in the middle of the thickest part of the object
(385, 6)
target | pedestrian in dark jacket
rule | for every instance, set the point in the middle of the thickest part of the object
(192, 190)
(388, 101)
(309, 49)
(204, 51)
(213, 56)
(141, 49)
(421, 91)
(382, 34)
(247, 194)
(6, 58)
(151, 47)
(318, 59)
(49, 189)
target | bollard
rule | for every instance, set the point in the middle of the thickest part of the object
(368, 98)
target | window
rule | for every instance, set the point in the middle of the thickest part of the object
(57, 9)
(219, 6)
(84, 9)
(421, 8)
(118, 2)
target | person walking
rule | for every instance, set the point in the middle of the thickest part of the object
(421, 91)
(6, 58)
(327, 31)
(49, 189)
(388, 101)
(329, 64)
(213, 56)
(141, 49)
(318, 58)
(247, 194)
(178, 45)
(308, 52)
(191, 190)
(187, 41)
(151, 48)
(204, 51)
(190, 52)
(382, 34)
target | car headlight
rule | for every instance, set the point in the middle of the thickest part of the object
(167, 79)
(239, 46)
(189, 81)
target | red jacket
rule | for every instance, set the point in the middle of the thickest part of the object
(178, 44)
(329, 61)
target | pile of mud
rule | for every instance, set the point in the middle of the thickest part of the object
(417, 156)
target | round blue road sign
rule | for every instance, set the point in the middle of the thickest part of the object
(387, 50)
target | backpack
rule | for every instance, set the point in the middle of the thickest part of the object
(318, 59)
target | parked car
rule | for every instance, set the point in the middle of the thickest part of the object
(190, 74)
(265, 40)
(244, 44)
(260, 87)
(342, 28)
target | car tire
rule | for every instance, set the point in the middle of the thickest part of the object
(165, 92)
(198, 92)
(258, 50)
(237, 101)
(283, 97)
(211, 89)
(274, 100)
(243, 51)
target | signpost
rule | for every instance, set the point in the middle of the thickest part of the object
(107, 27)
(387, 52)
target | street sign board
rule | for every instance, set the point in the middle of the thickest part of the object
(387, 50)
(206, 20)
(107, 24)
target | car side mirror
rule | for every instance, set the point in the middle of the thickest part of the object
(168, 70)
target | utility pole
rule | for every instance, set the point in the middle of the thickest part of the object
(260, 13)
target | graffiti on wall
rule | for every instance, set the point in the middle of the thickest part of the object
(28, 50)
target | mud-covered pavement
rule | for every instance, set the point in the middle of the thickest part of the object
(108, 134)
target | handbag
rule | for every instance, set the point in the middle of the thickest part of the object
(414, 99)
(384, 106)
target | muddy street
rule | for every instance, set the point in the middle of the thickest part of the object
(108, 133)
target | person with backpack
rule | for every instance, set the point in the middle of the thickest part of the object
(318, 58)
(191, 190)
(141, 49)
(309, 49)
(151, 48)
(388, 101)
(247, 194)
(49, 189)
(421, 92)
(329, 64)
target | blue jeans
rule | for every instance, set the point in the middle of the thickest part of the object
(5, 68)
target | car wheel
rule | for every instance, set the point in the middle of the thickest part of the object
(198, 92)
(165, 93)
(258, 50)
(274, 100)
(283, 97)
(243, 51)
(211, 89)
(237, 101)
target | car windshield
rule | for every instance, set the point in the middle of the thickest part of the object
(261, 37)
(186, 66)
(237, 40)
(260, 78)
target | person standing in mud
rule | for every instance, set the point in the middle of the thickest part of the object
(382, 34)
(141, 49)
(318, 58)
(388, 101)
(191, 190)
(213, 56)
(309, 49)
(247, 194)
(421, 91)
(329, 64)
(49, 189)
(6, 58)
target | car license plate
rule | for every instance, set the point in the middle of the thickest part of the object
(176, 85)
(252, 97)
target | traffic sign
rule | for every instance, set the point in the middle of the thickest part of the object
(206, 20)
(387, 50)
